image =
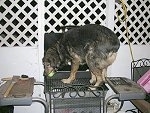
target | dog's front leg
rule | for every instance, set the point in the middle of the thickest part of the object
(104, 74)
(93, 78)
(74, 68)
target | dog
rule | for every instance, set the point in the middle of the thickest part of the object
(91, 44)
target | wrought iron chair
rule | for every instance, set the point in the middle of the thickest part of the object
(138, 68)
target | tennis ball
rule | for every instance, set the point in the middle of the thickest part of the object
(51, 74)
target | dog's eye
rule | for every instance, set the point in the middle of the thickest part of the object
(46, 64)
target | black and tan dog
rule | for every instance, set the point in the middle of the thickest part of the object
(92, 44)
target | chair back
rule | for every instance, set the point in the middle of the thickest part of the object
(139, 68)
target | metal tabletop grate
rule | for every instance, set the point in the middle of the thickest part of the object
(54, 84)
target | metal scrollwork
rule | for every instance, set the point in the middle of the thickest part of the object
(141, 63)
(74, 91)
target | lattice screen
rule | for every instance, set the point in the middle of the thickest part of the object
(19, 19)
(73, 12)
(138, 21)
(18, 23)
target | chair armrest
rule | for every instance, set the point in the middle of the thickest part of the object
(142, 105)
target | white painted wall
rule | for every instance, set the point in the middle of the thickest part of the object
(23, 60)
(122, 65)
(19, 60)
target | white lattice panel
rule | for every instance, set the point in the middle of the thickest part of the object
(138, 21)
(73, 12)
(18, 23)
(19, 19)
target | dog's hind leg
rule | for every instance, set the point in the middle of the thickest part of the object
(99, 79)
(74, 68)
(110, 59)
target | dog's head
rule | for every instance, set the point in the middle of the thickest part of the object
(51, 61)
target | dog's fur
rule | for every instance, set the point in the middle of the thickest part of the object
(92, 44)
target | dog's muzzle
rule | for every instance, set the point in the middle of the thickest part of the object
(48, 68)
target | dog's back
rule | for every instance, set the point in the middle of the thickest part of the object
(91, 37)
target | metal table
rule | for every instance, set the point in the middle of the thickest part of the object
(18, 91)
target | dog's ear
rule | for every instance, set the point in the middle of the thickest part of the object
(58, 50)
(43, 59)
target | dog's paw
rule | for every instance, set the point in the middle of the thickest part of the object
(92, 88)
(92, 81)
(66, 81)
